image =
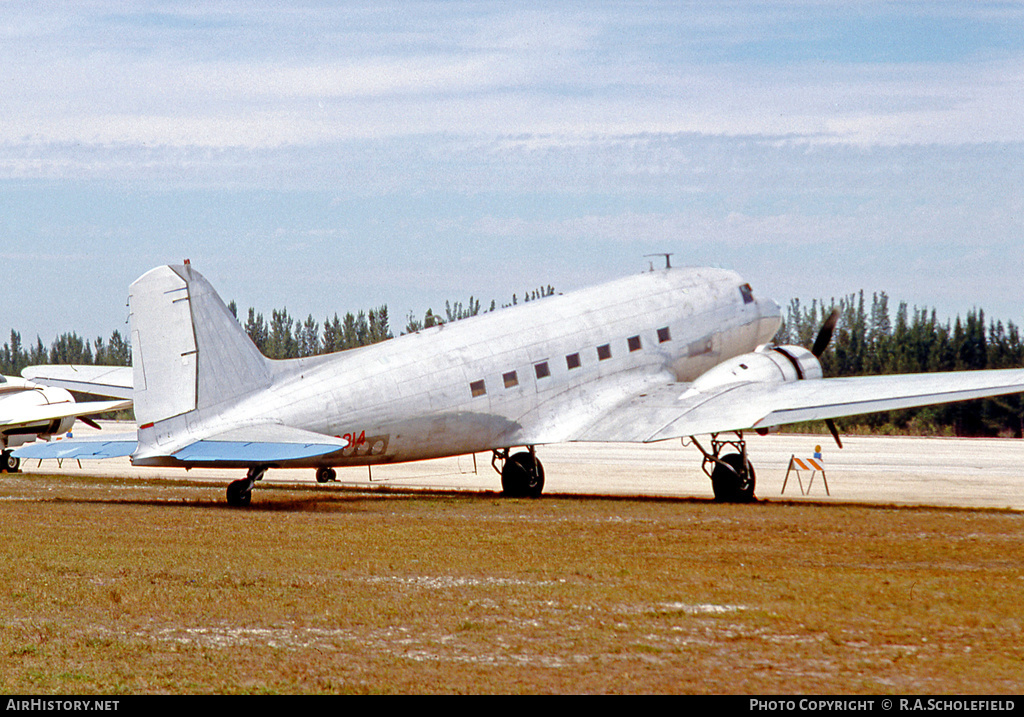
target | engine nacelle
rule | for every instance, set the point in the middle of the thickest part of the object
(23, 401)
(53, 395)
(768, 364)
(62, 426)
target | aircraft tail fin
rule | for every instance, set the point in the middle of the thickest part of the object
(188, 350)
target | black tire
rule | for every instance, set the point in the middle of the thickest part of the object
(522, 477)
(323, 475)
(240, 493)
(11, 463)
(732, 483)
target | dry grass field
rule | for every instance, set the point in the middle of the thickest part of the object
(153, 586)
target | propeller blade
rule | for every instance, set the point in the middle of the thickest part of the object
(835, 432)
(825, 333)
(89, 422)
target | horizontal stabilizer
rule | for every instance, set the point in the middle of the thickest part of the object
(91, 448)
(257, 444)
(248, 453)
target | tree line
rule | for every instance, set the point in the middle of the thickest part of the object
(869, 341)
(284, 337)
(866, 341)
(68, 348)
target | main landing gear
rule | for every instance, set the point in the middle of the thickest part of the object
(732, 475)
(10, 463)
(240, 491)
(522, 475)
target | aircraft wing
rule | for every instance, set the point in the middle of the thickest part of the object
(114, 381)
(29, 415)
(678, 410)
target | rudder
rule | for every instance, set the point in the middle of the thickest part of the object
(188, 350)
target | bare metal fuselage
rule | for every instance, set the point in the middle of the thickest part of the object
(533, 374)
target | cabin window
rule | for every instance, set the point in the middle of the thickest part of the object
(542, 369)
(477, 388)
(747, 293)
(511, 379)
(604, 352)
(572, 361)
(634, 343)
(664, 335)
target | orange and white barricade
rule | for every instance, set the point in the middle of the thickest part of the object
(815, 465)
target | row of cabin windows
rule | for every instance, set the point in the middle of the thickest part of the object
(572, 361)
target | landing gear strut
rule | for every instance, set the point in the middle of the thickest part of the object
(522, 475)
(240, 491)
(732, 477)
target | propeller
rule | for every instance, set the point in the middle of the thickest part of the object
(820, 344)
(834, 431)
(825, 334)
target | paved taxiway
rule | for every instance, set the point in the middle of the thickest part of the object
(963, 472)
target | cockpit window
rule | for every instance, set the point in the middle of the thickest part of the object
(747, 293)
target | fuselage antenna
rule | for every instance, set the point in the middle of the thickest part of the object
(668, 260)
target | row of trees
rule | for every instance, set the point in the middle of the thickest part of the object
(66, 348)
(866, 341)
(869, 341)
(285, 337)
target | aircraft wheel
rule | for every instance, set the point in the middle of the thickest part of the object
(325, 475)
(735, 485)
(522, 476)
(11, 463)
(240, 493)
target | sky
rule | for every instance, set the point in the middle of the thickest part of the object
(327, 157)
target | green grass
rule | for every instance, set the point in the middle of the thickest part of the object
(158, 587)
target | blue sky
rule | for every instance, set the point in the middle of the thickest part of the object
(328, 157)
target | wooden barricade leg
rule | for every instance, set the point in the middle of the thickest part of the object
(793, 468)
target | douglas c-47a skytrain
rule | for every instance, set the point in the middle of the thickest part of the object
(671, 353)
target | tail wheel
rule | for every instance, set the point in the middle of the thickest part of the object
(733, 482)
(522, 476)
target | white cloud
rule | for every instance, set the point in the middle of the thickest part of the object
(492, 73)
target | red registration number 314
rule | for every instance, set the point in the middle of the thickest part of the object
(355, 439)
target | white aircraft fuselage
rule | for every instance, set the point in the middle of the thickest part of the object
(537, 373)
